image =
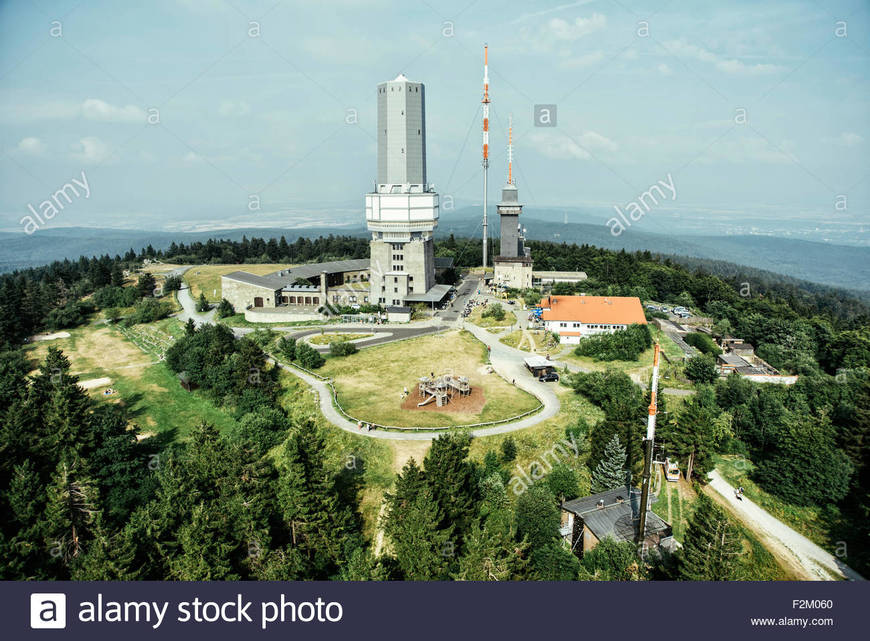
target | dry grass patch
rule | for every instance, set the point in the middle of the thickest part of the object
(94, 351)
(207, 278)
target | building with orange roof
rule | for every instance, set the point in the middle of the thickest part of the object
(573, 317)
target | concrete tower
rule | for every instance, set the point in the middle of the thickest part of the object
(513, 265)
(402, 211)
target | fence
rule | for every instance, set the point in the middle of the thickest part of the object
(337, 405)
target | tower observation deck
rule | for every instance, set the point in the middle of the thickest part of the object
(402, 210)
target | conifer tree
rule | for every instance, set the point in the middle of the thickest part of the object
(492, 552)
(610, 472)
(711, 546)
(422, 549)
(450, 478)
(318, 524)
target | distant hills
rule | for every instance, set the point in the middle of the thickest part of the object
(844, 267)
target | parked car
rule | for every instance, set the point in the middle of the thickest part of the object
(653, 308)
(549, 377)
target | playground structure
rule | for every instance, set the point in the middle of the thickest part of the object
(442, 389)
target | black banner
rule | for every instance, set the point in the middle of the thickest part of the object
(443, 611)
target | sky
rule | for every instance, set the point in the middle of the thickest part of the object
(197, 114)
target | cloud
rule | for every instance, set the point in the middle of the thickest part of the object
(96, 109)
(230, 108)
(31, 146)
(191, 158)
(90, 109)
(91, 150)
(730, 66)
(544, 12)
(664, 69)
(561, 29)
(845, 139)
(582, 61)
(565, 147)
(751, 149)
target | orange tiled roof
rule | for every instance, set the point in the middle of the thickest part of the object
(574, 334)
(610, 310)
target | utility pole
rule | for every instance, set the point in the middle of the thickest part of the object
(648, 450)
(485, 102)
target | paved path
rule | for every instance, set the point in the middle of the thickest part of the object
(381, 333)
(188, 309)
(506, 361)
(820, 565)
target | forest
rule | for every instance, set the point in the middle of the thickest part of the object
(85, 497)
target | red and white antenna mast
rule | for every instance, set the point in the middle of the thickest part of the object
(485, 102)
(510, 150)
(648, 449)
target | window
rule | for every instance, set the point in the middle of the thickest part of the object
(411, 280)
(396, 291)
(563, 324)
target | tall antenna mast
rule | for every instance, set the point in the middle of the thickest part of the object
(485, 102)
(510, 149)
(648, 449)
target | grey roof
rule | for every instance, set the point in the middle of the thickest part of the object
(618, 522)
(617, 517)
(300, 288)
(398, 310)
(434, 295)
(734, 360)
(586, 503)
(310, 270)
(536, 362)
(252, 279)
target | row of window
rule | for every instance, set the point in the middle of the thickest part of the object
(579, 325)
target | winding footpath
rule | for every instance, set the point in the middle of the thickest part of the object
(819, 564)
(506, 361)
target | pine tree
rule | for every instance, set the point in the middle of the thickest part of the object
(450, 477)
(422, 549)
(319, 525)
(711, 546)
(492, 552)
(537, 516)
(610, 472)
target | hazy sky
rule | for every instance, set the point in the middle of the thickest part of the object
(254, 97)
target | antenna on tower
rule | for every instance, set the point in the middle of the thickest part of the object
(485, 102)
(510, 149)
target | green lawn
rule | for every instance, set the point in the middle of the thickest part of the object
(158, 403)
(536, 443)
(370, 382)
(478, 319)
(642, 364)
(238, 320)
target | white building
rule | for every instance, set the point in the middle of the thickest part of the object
(402, 211)
(573, 317)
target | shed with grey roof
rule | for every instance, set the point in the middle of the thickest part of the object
(588, 520)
